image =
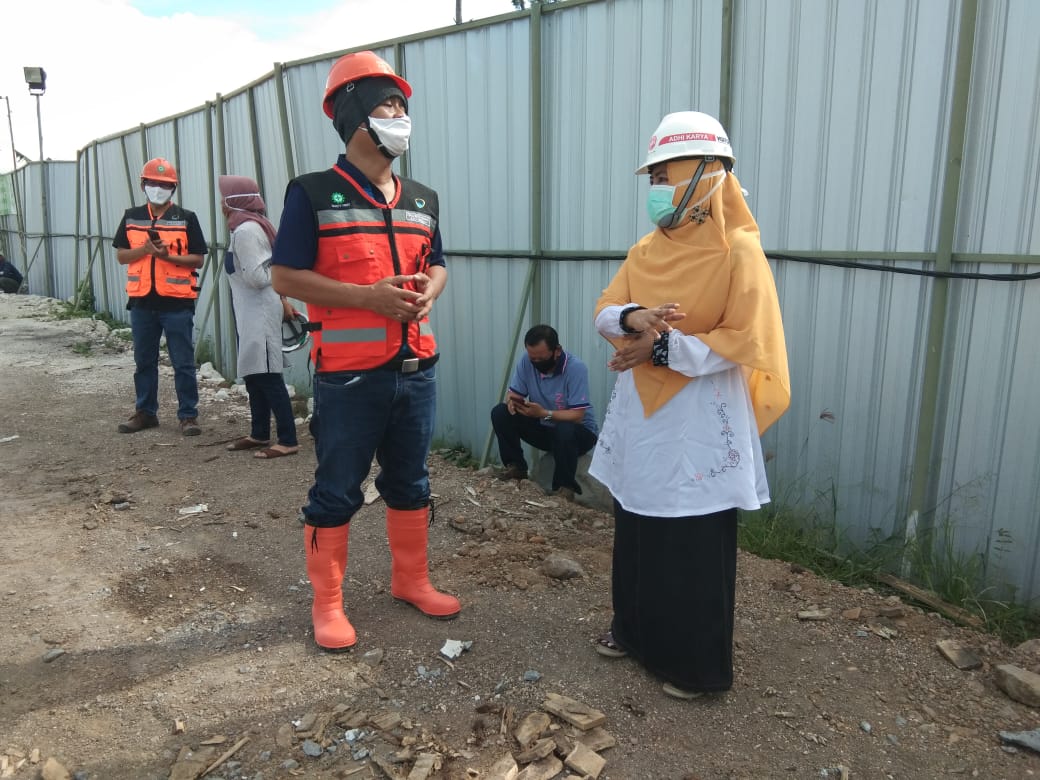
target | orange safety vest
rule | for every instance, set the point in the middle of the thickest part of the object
(361, 241)
(170, 280)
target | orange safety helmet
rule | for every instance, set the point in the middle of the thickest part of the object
(159, 169)
(359, 65)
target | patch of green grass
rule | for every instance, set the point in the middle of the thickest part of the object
(456, 454)
(204, 352)
(82, 307)
(960, 579)
(83, 348)
(299, 405)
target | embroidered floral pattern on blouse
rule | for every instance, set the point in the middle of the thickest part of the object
(732, 457)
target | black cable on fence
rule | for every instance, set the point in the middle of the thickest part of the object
(779, 256)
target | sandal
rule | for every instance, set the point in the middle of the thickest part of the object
(680, 693)
(246, 443)
(606, 646)
(271, 452)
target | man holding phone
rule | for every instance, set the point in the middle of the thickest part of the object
(548, 407)
(163, 247)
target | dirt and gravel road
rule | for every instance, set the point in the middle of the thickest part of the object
(140, 639)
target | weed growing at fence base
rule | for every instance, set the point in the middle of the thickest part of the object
(456, 454)
(957, 578)
(82, 306)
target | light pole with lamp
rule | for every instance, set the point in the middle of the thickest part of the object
(36, 78)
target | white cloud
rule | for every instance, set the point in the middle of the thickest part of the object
(110, 67)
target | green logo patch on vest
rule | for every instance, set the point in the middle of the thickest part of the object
(338, 199)
(419, 203)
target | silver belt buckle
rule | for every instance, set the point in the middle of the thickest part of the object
(409, 365)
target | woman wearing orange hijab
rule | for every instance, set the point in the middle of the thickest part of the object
(702, 372)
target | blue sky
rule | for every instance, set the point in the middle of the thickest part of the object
(213, 46)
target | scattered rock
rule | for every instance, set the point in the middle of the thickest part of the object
(814, 614)
(958, 655)
(1019, 684)
(52, 654)
(373, 657)
(1026, 739)
(284, 737)
(560, 567)
(54, 770)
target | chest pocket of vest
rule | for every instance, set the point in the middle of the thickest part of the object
(363, 258)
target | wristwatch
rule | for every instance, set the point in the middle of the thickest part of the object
(548, 417)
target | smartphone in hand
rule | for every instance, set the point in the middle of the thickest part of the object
(153, 236)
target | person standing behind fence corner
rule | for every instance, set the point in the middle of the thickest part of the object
(548, 407)
(259, 312)
(362, 248)
(10, 277)
(162, 246)
(694, 316)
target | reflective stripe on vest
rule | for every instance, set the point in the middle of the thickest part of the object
(360, 242)
(352, 335)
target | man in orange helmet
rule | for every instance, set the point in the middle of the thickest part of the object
(362, 248)
(162, 246)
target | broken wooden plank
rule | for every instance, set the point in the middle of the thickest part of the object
(531, 727)
(585, 762)
(574, 712)
(927, 597)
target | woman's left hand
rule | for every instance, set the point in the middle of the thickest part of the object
(287, 310)
(638, 349)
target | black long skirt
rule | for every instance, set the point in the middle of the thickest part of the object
(673, 587)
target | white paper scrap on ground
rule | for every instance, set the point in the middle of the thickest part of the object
(453, 648)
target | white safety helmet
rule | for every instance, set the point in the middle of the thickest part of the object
(294, 332)
(687, 134)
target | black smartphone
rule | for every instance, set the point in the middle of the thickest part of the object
(153, 236)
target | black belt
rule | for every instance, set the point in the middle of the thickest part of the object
(409, 365)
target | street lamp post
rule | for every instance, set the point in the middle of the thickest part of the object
(36, 78)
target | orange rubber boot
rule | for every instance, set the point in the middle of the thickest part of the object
(326, 565)
(407, 532)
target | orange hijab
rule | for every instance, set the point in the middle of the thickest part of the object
(719, 275)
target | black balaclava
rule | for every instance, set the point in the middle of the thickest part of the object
(352, 104)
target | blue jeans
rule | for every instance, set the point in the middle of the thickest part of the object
(384, 414)
(566, 441)
(148, 326)
(267, 394)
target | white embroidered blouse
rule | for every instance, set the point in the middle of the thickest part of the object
(698, 454)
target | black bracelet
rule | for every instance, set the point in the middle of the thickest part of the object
(659, 355)
(624, 315)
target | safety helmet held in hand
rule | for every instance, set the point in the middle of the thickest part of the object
(158, 169)
(294, 333)
(359, 65)
(687, 134)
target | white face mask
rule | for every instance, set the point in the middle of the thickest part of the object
(393, 133)
(157, 196)
(229, 207)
